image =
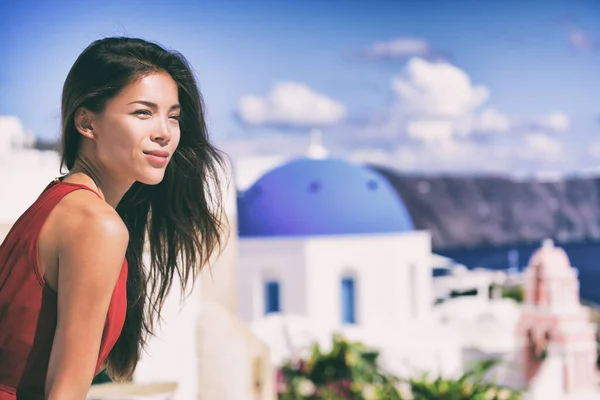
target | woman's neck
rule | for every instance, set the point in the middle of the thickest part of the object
(86, 173)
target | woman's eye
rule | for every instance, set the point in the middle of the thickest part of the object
(174, 117)
(142, 112)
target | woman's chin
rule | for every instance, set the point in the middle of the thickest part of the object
(152, 178)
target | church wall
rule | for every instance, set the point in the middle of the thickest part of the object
(419, 253)
(271, 259)
(381, 267)
(392, 287)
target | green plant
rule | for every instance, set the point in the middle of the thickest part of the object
(470, 385)
(513, 292)
(350, 371)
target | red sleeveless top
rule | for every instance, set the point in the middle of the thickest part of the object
(28, 306)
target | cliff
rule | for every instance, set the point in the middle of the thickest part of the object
(464, 211)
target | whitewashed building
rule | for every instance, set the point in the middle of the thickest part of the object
(330, 242)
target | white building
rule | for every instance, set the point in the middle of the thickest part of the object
(331, 243)
(24, 171)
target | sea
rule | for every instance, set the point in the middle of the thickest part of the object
(585, 257)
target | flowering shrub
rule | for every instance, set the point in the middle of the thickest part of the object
(350, 371)
(471, 385)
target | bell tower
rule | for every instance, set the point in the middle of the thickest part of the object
(554, 322)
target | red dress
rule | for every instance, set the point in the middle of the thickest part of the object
(28, 306)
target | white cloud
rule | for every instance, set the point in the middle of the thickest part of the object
(527, 154)
(267, 145)
(541, 144)
(448, 156)
(430, 130)
(437, 90)
(453, 152)
(436, 108)
(292, 104)
(399, 48)
(369, 155)
(490, 120)
(556, 122)
(438, 101)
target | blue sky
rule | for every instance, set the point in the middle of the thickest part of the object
(537, 62)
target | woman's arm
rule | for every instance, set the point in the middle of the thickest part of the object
(90, 256)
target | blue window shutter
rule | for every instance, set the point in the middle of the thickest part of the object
(348, 301)
(272, 297)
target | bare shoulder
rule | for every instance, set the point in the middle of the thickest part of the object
(84, 216)
(92, 234)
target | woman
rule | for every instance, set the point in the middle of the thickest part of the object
(75, 296)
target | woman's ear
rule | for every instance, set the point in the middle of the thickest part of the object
(84, 122)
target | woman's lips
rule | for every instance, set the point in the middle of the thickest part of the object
(158, 158)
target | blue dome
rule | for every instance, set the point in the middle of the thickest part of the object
(308, 197)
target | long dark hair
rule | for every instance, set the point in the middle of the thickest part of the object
(180, 220)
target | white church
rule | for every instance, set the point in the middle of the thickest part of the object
(326, 245)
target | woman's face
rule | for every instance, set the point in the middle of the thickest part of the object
(138, 131)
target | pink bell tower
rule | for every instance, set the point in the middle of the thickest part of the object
(553, 322)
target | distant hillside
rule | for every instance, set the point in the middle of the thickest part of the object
(465, 211)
